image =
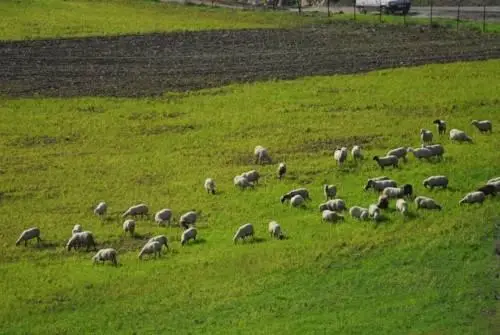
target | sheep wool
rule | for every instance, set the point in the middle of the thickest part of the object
(243, 232)
(380, 185)
(82, 239)
(398, 192)
(163, 216)
(262, 155)
(297, 201)
(140, 209)
(386, 161)
(359, 212)
(108, 254)
(374, 212)
(303, 192)
(188, 234)
(340, 155)
(242, 182)
(426, 136)
(473, 198)
(281, 170)
(402, 206)
(330, 191)
(76, 229)
(483, 125)
(29, 234)
(162, 239)
(275, 230)
(426, 203)
(460, 136)
(488, 189)
(436, 149)
(129, 226)
(356, 153)
(187, 219)
(435, 181)
(441, 126)
(101, 209)
(209, 185)
(399, 152)
(153, 247)
(331, 216)
(333, 205)
(420, 153)
(252, 176)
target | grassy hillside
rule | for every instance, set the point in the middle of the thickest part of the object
(430, 274)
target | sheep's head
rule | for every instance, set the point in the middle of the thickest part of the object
(474, 122)
(323, 207)
(369, 184)
(283, 198)
(376, 158)
(425, 183)
(407, 189)
(437, 121)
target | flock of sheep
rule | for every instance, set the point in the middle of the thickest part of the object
(330, 210)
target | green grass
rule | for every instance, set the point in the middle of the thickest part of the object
(431, 274)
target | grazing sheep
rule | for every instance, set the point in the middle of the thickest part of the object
(496, 184)
(153, 247)
(402, 206)
(100, 209)
(340, 155)
(436, 181)
(162, 216)
(331, 216)
(472, 198)
(252, 176)
(398, 192)
(483, 126)
(333, 205)
(421, 153)
(76, 229)
(281, 170)
(398, 152)
(242, 182)
(426, 203)
(383, 201)
(262, 155)
(129, 226)
(330, 191)
(82, 239)
(356, 153)
(300, 191)
(188, 234)
(493, 180)
(437, 149)
(359, 212)
(243, 231)
(459, 136)
(426, 136)
(187, 219)
(210, 185)
(297, 201)
(386, 161)
(441, 126)
(488, 189)
(29, 234)
(374, 212)
(275, 230)
(108, 254)
(140, 209)
(162, 239)
(380, 185)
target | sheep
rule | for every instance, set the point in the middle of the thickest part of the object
(399, 152)
(82, 239)
(356, 153)
(252, 176)
(76, 229)
(153, 247)
(386, 161)
(459, 136)
(383, 201)
(435, 181)
(129, 226)
(188, 218)
(242, 182)
(426, 203)
(243, 231)
(483, 126)
(275, 230)
(340, 155)
(300, 191)
(210, 185)
(488, 189)
(29, 234)
(297, 201)
(437, 149)
(140, 209)
(107, 254)
(493, 180)
(359, 212)
(426, 136)
(162, 216)
(380, 178)
(374, 212)
(100, 209)
(398, 192)
(331, 216)
(421, 153)
(472, 198)
(262, 155)
(188, 234)
(281, 170)
(330, 191)
(402, 206)
(333, 205)
(496, 184)
(441, 126)
(162, 239)
(380, 185)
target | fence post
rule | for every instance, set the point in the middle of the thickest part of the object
(484, 16)
(432, 5)
(458, 13)
(354, 8)
(299, 4)
(380, 12)
(328, 7)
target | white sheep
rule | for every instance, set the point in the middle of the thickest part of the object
(153, 247)
(473, 198)
(140, 209)
(81, 239)
(29, 234)
(386, 161)
(330, 191)
(188, 218)
(359, 212)
(281, 170)
(495, 184)
(162, 239)
(262, 155)
(426, 203)
(333, 205)
(275, 230)
(493, 180)
(402, 206)
(162, 216)
(242, 182)
(188, 234)
(374, 212)
(356, 153)
(209, 185)
(100, 209)
(297, 201)
(483, 125)
(243, 232)
(399, 152)
(76, 229)
(340, 155)
(459, 136)
(129, 226)
(435, 181)
(420, 153)
(380, 185)
(331, 216)
(426, 136)
(398, 192)
(252, 176)
(380, 178)
(441, 126)
(107, 254)
(303, 192)
(436, 149)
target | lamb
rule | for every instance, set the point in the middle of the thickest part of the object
(380, 185)
(425, 136)
(441, 126)
(426, 203)
(162, 239)
(281, 170)
(359, 212)
(242, 182)
(140, 209)
(437, 149)
(402, 206)
(275, 230)
(300, 191)
(386, 161)
(297, 201)
(488, 189)
(188, 218)
(472, 198)
(436, 181)
(340, 155)
(356, 153)
(398, 192)
(243, 231)
(188, 234)
(108, 254)
(252, 176)
(333, 205)
(374, 212)
(330, 191)
(129, 226)
(383, 201)
(210, 185)
(82, 239)
(162, 216)
(483, 126)
(262, 155)
(399, 152)
(459, 136)
(153, 247)
(100, 209)
(29, 234)
(331, 216)
(421, 153)
(76, 229)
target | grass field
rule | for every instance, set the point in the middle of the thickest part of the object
(431, 274)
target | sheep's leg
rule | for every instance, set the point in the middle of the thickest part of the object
(25, 243)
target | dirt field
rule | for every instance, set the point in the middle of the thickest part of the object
(152, 64)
